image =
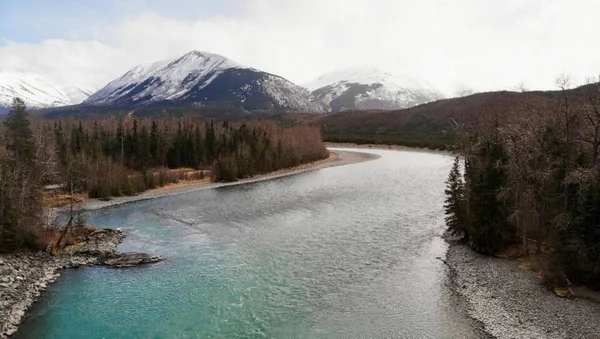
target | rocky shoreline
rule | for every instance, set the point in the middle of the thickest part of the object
(512, 303)
(25, 276)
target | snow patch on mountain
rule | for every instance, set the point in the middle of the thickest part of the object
(165, 80)
(371, 88)
(32, 89)
(366, 75)
(78, 94)
(38, 92)
(198, 78)
(287, 94)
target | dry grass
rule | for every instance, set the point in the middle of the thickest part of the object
(184, 183)
(74, 238)
(190, 176)
(563, 292)
(57, 199)
(332, 156)
(526, 265)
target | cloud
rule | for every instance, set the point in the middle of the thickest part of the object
(484, 45)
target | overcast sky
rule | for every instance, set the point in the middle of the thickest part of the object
(452, 44)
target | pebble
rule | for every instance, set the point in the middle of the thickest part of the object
(512, 303)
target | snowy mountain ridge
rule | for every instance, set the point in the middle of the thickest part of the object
(37, 92)
(371, 88)
(200, 77)
(175, 75)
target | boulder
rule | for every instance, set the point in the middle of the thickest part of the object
(129, 259)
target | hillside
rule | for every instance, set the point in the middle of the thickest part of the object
(435, 117)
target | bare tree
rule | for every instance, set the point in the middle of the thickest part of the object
(569, 119)
(592, 115)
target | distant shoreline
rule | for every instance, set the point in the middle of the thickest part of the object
(337, 158)
(388, 147)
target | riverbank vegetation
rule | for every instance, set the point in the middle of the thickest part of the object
(21, 176)
(113, 156)
(434, 141)
(530, 180)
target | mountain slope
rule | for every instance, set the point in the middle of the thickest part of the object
(37, 92)
(439, 117)
(370, 88)
(33, 89)
(200, 78)
(77, 94)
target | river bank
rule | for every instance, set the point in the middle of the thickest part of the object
(26, 275)
(388, 147)
(512, 303)
(337, 158)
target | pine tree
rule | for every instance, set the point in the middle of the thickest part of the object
(579, 250)
(18, 133)
(154, 143)
(455, 202)
(20, 207)
(490, 231)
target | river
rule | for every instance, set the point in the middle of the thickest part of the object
(343, 252)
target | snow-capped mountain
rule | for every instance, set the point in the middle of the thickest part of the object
(200, 78)
(78, 94)
(370, 88)
(33, 89)
(37, 92)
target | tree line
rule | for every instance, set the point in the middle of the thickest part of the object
(111, 157)
(530, 177)
(114, 156)
(439, 141)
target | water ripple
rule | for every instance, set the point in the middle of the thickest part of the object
(347, 252)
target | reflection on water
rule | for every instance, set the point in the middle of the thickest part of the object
(343, 252)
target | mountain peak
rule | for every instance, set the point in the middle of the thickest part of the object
(36, 91)
(199, 77)
(200, 55)
(371, 88)
(203, 54)
(367, 75)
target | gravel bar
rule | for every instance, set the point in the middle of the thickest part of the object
(512, 303)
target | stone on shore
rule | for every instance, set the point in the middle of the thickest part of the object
(511, 303)
(129, 259)
(25, 276)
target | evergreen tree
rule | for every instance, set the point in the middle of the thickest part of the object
(490, 231)
(20, 207)
(454, 206)
(579, 251)
(18, 133)
(154, 143)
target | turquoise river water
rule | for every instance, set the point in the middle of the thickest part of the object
(343, 252)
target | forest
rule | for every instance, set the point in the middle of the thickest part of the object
(111, 156)
(528, 178)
